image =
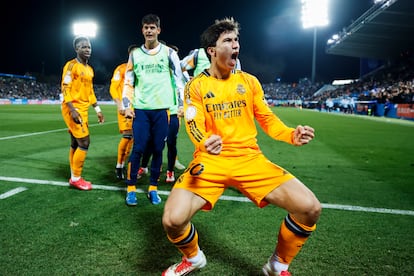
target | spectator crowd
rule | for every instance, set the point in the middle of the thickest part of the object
(22, 88)
(392, 84)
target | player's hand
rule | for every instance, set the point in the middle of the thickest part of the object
(129, 113)
(121, 111)
(101, 118)
(76, 116)
(303, 135)
(213, 144)
(180, 112)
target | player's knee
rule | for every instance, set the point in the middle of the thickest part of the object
(168, 223)
(307, 211)
(83, 148)
(84, 142)
(173, 221)
(313, 210)
(316, 210)
(127, 136)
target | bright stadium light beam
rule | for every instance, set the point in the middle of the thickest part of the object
(314, 15)
(88, 29)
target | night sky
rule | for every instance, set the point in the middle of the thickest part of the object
(37, 35)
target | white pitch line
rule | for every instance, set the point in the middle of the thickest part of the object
(12, 192)
(45, 132)
(31, 134)
(229, 198)
(367, 209)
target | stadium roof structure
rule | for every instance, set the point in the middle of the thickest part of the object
(383, 32)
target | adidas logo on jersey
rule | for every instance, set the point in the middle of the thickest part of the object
(209, 95)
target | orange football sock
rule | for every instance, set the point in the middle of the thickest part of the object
(292, 236)
(152, 188)
(188, 242)
(79, 157)
(131, 188)
(122, 146)
(128, 150)
(71, 153)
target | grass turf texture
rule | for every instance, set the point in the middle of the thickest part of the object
(55, 230)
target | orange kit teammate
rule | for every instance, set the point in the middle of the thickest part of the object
(78, 96)
(124, 123)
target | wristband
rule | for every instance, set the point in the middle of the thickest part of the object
(97, 109)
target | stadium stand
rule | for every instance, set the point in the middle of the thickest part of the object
(24, 87)
(383, 32)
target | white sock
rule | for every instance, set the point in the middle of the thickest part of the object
(75, 178)
(196, 258)
(278, 266)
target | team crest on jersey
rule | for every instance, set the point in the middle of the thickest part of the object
(196, 169)
(117, 76)
(67, 79)
(240, 89)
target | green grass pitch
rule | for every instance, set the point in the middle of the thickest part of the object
(361, 169)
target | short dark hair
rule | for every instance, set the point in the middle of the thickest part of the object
(78, 39)
(210, 36)
(151, 19)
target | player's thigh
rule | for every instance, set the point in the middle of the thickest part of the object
(294, 197)
(124, 124)
(256, 176)
(206, 177)
(77, 130)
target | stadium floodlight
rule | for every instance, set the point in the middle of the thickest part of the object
(314, 15)
(333, 39)
(88, 29)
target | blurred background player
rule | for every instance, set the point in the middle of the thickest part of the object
(124, 123)
(176, 113)
(78, 95)
(197, 61)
